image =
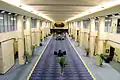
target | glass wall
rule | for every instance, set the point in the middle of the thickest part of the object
(8, 22)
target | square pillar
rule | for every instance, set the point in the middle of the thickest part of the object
(38, 32)
(81, 33)
(29, 37)
(75, 30)
(43, 30)
(70, 28)
(100, 46)
(91, 42)
(21, 44)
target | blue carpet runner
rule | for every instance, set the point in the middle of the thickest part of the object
(49, 69)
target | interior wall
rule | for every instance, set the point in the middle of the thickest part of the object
(7, 52)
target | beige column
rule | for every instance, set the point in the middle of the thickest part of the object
(75, 30)
(70, 28)
(49, 28)
(91, 39)
(43, 30)
(81, 33)
(38, 32)
(21, 44)
(101, 26)
(48, 25)
(45, 25)
(29, 38)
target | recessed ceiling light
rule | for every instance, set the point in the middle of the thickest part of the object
(20, 6)
(9, 13)
(102, 7)
(16, 14)
(2, 11)
(113, 15)
(106, 16)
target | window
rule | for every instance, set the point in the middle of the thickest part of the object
(33, 23)
(5, 22)
(78, 24)
(108, 22)
(12, 23)
(96, 24)
(1, 22)
(8, 22)
(86, 23)
(15, 23)
(118, 26)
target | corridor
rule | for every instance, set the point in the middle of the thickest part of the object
(59, 40)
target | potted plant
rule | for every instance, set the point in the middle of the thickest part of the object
(40, 44)
(41, 39)
(33, 48)
(101, 59)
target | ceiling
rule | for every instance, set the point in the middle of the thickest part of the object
(61, 10)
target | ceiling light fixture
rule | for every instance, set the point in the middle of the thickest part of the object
(9, 13)
(16, 14)
(2, 11)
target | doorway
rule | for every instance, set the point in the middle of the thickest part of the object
(112, 52)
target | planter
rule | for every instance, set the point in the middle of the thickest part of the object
(40, 44)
